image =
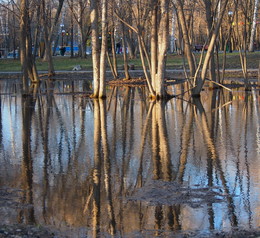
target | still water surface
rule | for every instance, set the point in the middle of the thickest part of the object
(128, 166)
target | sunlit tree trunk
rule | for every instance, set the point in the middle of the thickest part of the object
(253, 29)
(209, 18)
(162, 49)
(112, 36)
(99, 58)
(200, 79)
(102, 86)
(154, 42)
(95, 46)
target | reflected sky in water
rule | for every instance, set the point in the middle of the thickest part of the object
(128, 166)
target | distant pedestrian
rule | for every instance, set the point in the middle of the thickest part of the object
(118, 47)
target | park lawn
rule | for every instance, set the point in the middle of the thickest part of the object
(173, 62)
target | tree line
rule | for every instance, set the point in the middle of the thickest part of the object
(149, 29)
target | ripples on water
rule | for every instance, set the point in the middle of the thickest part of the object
(128, 166)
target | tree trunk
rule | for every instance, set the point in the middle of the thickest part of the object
(23, 28)
(102, 88)
(148, 80)
(154, 42)
(253, 30)
(27, 60)
(162, 49)
(199, 80)
(48, 32)
(187, 46)
(209, 17)
(95, 47)
(127, 76)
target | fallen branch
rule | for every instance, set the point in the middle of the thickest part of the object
(221, 85)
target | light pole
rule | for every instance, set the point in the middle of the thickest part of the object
(230, 16)
(62, 51)
(62, 38)
(62, 33)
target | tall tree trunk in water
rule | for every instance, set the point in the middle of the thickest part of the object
(102, 86)
(23, 27)
(209, 17)
(200, 79)
(253, 29)
(99, 59)
(162, 49)
(95, 46)
(154, 42)
(27, 60)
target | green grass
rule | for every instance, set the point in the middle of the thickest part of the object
(173, 62)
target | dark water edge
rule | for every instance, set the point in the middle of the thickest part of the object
(128, 167)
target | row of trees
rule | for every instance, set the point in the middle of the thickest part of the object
(149, 28)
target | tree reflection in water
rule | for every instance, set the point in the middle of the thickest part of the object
(82, 164)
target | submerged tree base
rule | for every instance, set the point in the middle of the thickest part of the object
(97, 97)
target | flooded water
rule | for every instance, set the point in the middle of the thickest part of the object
(127, 166)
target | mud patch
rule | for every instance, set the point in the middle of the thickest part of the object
(171, 193)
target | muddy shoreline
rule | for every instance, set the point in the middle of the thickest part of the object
(154, 193)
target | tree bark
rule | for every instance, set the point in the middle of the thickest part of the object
(253, 29)
(187, 45)
(199, 80)
(162, 49)
(95, 47)
(27, 59)
(154, 42)
(102, 88)
(209, 18)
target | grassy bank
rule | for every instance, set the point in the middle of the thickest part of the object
(173, 62)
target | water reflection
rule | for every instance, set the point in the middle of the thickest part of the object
(27, 215)
(127, 166)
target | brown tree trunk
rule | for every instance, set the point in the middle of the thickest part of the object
(127, 75)
(102, 88)
(154, 42)
(27, 60)
(99, 59)
(209, 18)
(162, 49)
(95, 47)
(199, 80)
(186, 40)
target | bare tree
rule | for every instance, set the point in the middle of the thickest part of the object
(27, 60)
(81, 13)
(99, 59)
(161, 42)
(200, 79)
(253, 29)
(48, 29)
